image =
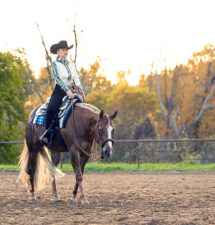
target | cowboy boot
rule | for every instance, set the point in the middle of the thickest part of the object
(46, 138)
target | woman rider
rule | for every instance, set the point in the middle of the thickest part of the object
(66, 75)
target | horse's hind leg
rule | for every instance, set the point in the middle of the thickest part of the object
(55, 156)
(32, 162)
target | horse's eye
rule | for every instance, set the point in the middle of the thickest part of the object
(100, 130)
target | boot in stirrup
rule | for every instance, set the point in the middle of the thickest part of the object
(46, 138)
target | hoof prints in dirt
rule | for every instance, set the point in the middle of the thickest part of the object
(115, 198)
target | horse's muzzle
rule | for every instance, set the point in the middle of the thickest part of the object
(107, 152)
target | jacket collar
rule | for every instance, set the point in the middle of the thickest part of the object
(64, 61)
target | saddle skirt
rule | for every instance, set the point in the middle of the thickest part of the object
(64, 110)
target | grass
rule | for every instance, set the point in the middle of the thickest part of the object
(124, 167)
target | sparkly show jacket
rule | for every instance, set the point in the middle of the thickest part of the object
(65, 74)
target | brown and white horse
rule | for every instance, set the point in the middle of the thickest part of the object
(37, 168)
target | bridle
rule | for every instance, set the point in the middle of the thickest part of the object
(96, 156)
(105, 141)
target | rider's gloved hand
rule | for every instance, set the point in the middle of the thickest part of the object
(70, 94)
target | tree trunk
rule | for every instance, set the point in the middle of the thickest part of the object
(159, 98)
(48, 60)
(34, 82)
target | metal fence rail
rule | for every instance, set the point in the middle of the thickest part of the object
(163, 140)
(136, 140)
(143, 149)
(148, 141)
(11, 142)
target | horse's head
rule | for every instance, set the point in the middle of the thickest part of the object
(106, 133)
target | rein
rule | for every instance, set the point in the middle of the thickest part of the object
(95, 156)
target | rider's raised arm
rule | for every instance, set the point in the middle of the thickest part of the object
(57, 77)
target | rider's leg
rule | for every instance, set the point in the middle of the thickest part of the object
(53, 107)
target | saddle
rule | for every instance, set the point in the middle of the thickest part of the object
(66, 101)
(60, 118)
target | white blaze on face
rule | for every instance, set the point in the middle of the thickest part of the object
(109, 130)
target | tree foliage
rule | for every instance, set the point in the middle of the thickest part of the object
(177, 103)
(13, 88)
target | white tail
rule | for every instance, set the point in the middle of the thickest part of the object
(23, 163)
(44, 172)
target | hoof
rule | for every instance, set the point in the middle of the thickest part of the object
(32, 198)
(84, 202)
(56, 199)
(73, 200)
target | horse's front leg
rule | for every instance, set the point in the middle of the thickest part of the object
(75, 160)
(75, 190)
(55, 156)
(83, 160)
(83, 198)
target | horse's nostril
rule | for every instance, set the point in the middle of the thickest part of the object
(106, 152)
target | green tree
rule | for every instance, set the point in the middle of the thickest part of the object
(93, 80)
(133, 105)
(13, 89)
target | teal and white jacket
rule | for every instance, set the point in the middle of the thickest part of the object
(65, 74)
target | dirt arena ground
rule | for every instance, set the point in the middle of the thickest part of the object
(115, 198)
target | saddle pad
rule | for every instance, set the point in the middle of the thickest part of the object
(41, 119)
(66, 101)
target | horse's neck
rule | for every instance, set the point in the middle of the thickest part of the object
(89, 107)
(91, 116)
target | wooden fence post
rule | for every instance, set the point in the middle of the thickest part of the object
(138, 154)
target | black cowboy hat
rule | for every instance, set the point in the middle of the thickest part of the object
(61, 44)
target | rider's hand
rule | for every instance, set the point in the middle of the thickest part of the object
(84, 98)
(70, 94)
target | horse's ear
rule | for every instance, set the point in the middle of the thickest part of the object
(101, 114)
(114, 115)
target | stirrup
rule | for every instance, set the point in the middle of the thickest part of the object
(46, 138)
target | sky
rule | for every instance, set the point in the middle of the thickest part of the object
(125, 34)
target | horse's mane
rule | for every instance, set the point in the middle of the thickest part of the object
(92, 108)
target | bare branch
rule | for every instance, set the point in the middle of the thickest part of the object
(159, 97)
(48, 59)
(175, 122)
(166, 100)
(209, 84)
(44, 45)
(75, 36)
(76, 43)
(210, 106)
(34, 82)
(204, 107)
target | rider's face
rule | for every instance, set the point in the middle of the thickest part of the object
(62, 52)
